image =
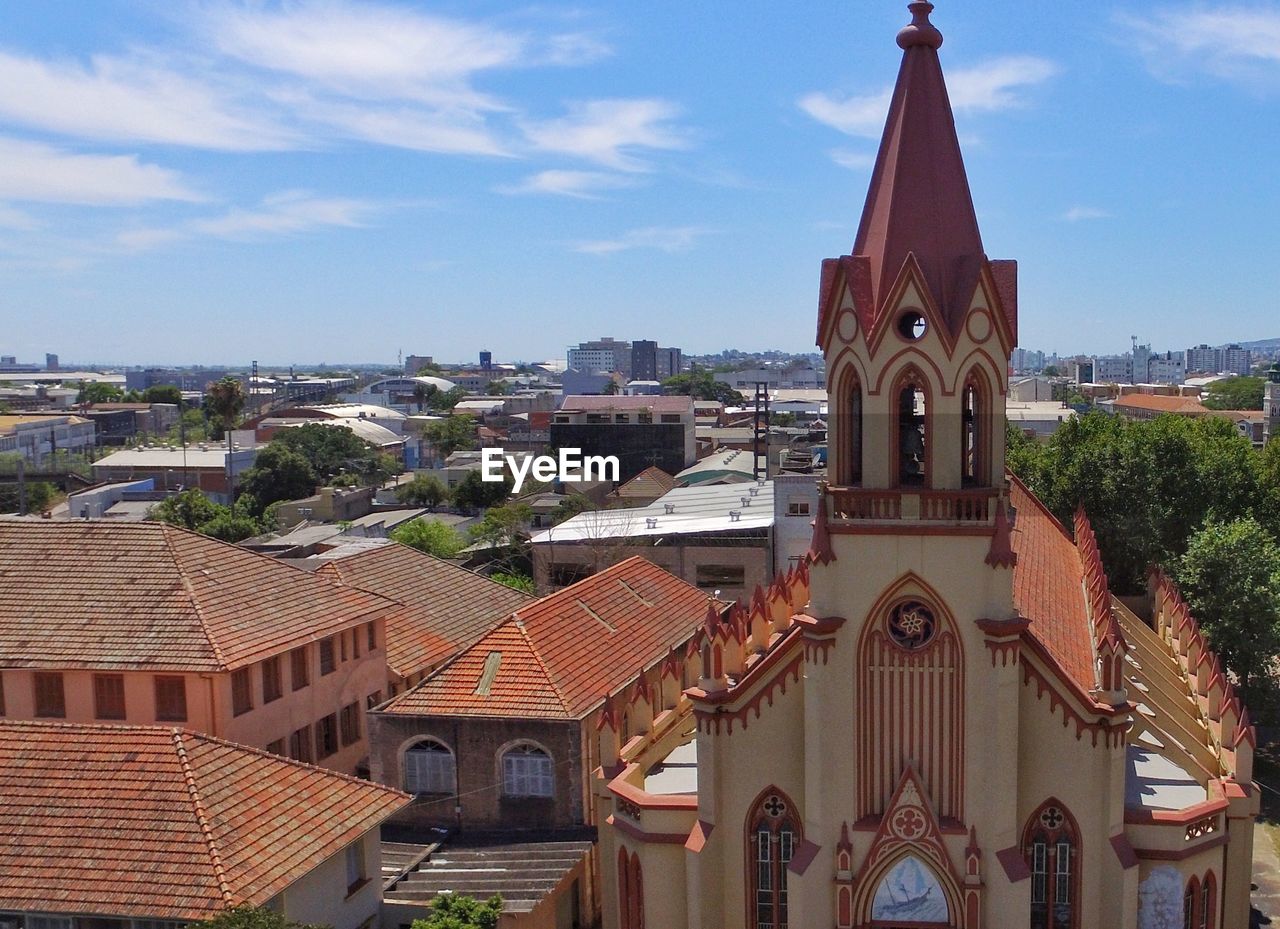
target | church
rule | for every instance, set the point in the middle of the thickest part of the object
(942, 717)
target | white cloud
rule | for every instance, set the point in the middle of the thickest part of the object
(1079, 213)
(992, 85)
(31, 171)
(1234, 42)
(854, 161)
(582, 184)
(607, 131)
(11, 218)
(662, 238)
(415, 128)
(114, 99)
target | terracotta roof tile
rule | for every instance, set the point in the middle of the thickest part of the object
(652, 482)
(556, 657)
(1047, 586)
(1159, 403)
(147, 596)
(443, 608)
(164, 823)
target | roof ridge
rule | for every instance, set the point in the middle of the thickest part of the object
(193, 790)
(537, 656)
(192, 596)
(1040, 505)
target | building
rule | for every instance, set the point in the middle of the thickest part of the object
(402, 394)
(415, 363)
(142, 827)
(146, 623)
(444, 609)
(603, 355)
(1113, 369)
(717, 538)
(644, 360)
(39, 437)
(1230, 359)
(949, 721)
(670, 362)
(50, 361)
(640, 431)
(188, 379)
(1271, 404)
(207, 466)
(117, 423)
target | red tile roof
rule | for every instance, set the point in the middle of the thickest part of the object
(444, 608)
(164, 823)
(557, 657)
(586, 404)
(1159, 403)
(146, 596)
(650, 483)
(1047, 586)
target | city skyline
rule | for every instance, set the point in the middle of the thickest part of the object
(338, 181)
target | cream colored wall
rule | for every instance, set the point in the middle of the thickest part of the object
(320, 897)
(139, 698)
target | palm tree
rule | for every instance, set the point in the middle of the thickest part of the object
(225, 399)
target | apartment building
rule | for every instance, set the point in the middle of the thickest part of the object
(144, 623)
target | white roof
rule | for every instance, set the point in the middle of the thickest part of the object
(356, 411)
(364, 429)
(485, 405)
(425, 380)
(168, 456)
(693, 509)
(1038, 411)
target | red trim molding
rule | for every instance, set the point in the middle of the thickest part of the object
(651, 838)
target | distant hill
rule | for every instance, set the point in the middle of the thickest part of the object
(1262, 345)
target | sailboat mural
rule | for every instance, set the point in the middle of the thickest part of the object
(910, 893)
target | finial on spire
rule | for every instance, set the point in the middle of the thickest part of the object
(921, 31)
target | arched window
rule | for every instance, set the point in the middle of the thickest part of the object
(1191, 905)
(527, 772)
(625, 891)
(1052, 847)
(911, 449)
(850, 430)
(773, 832)
(637, 893)
(974, 439)
(429, 768)
(1208, 902)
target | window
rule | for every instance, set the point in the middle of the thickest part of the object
(49, 922)
(670, 418)
(300, 745)
(371, 631)
(299, 671)
(630, 891)
(342, 646)
(797, 506)
(108, 696)
(1, 693)
(327, 736)
(621, 418)
(912, 445)
(171, 699)
(1190, 904)
(355, 866)
(327, 663)
(50, 699)
(241, 692)
(373, 700)
(350, 724)
(850, 427)
(272, 680)
(1052, 851)
(355, 643)
(714, 577)
(973, 437)
(276, 747)
(1207, 902)
(526, 772)
(774, 836)
(429, 769)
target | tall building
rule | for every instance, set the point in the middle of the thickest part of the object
(644, 360)
(486, 361)
(937, 729)
(670, 363)
(415, 363)
(1271, 404)
(1231, 359)
(604, 354)
(50, 362)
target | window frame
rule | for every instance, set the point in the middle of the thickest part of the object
(418, 781)
(302, 745)
(1055, 880)
(102, 683)
(328, 648)
(299, 667)
(526, 769)
(773, 834)
(272, 679)
(349, 729)
(46, 685)
(326, 736)
(164, 708)
(241, 691)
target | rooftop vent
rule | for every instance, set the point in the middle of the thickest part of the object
(651, 522)
(669, 507)
(734, 516)
(754, 490)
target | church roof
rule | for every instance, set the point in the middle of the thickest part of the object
(919, 201)
(1048, 586)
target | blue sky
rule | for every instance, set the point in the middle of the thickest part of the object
(332, 181)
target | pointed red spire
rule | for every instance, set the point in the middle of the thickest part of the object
(919, 202)
(1001, 553)
(820, 547)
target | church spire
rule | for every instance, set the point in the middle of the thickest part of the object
(919, 201)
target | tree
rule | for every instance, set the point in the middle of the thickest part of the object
(278, 473)
(504, 525)
(451, 434)
(98, 392)
(701, 384)
(445, 400)
(1235, 393)
(225, 400)
(245, 916)
(162, 393)
(474, 493)
(571, 506)
(450, 911)
(497, 389)
(1051, 371)
(189, 509)
(431, 536)
(611, 387)
(1230, 576)
(785, 418)
(514, 580)
(231, 526)
(328, 449)
(423, 490)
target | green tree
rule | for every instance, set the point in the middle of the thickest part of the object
(231, 526)
(431, 536)
(423, 490)
(474, 493)
(612, 388)
(328, 449)
(422, 393)
(785, 418)
(278, 473)
(450, 911)
(701, 384)
(571, 506)
(442, 401)
(1235, 393)
(98, 392)
(514, 580)
(189, 509)
(497, 389)
(454, 433)
(245, 916)
(1230, 576)
(225, 400)
(162, 393)
(1051, 371)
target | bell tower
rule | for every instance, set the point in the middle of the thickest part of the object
(1271, 406)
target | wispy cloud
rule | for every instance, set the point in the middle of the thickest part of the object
(992, 85)
(1079, 213)
(11, 218)
(662, 238)
(608, 132)
(586, 185)
(1235, 42)
(854, 161)
(32, 171)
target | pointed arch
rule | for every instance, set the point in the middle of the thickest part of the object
(977, 421)
(943, 913)
(914, 686)
(637, 893)
(624, 890)
(1208, 902)
(848, 404)
(911, 412)
(773, 832)
(1051, 844)
(1191, 904)
(982, 358)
